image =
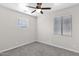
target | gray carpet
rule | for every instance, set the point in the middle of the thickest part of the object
(38, 49)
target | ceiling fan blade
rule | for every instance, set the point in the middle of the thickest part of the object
(41, 12)
(31, 7)
(33, 11)
(45, 8)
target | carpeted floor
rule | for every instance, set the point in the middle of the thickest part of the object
(38, 49)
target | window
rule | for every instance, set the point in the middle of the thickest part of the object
(22, 23)
(57, 25)
(63, 25)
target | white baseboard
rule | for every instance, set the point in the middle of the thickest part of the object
(76, 51)
(39, 42)
(16, 46)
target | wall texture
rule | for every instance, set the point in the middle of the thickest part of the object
(10, 35)
(46, 28)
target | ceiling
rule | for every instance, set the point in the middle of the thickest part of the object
(22, 7)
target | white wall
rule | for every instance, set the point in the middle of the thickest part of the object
(10, 35)
(45, 29)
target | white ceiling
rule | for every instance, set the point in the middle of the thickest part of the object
(21, 7)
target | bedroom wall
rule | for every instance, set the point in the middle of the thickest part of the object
(12, 36)
(46, 28)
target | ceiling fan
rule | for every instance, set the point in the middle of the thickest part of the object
(39, 7)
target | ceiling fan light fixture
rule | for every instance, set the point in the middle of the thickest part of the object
(38, 10)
